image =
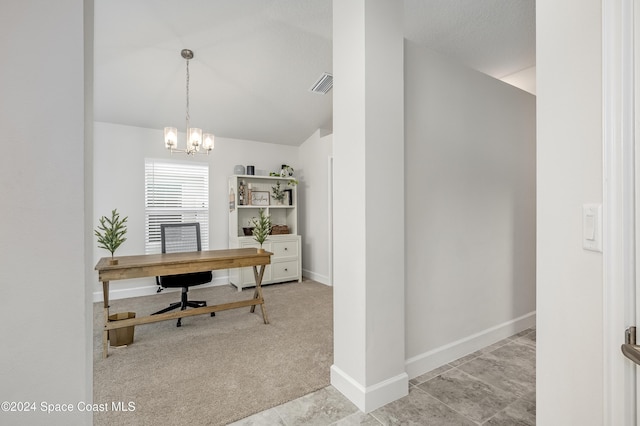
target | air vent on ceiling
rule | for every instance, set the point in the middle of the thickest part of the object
(323, 85)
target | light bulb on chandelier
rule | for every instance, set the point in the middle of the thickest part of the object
(195, 139)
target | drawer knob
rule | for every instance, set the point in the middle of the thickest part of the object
(285, 249)
(285, 269)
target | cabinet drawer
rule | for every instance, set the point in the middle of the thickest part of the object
(282, 270)
(249, 279)
(285, 248)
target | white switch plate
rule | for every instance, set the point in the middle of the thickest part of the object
(592, 227)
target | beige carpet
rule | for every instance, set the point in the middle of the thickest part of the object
(213, 371)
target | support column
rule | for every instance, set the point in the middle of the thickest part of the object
(369, 263)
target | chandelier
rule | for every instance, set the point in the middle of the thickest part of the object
(195, 139)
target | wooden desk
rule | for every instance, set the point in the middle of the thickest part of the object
(180, 263)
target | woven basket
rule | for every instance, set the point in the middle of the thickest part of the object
(279, 229)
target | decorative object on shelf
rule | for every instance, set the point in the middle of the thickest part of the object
(279, 229)
(289, 197)
(260, 198)
(248, 230)
(262, 228)
(286, 171)
(232, 200)
(111, 233)
(248, 195)
(278, 194)
(251, 170)
(238, 169)
(241, 193)
(194, 135)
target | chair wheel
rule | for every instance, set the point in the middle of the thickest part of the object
(179, 323)
(213, 314)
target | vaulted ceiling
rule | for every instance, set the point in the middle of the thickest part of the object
(255, 60)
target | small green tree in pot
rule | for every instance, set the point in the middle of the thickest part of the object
(262, 229)
(278, 193)
(111, 233)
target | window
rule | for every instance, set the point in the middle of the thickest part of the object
(175, 192)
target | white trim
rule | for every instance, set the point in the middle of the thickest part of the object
(635, 105)
(330, 216)
(420, 364)
(371, 397)
(629, 233)
(149, 290)
(322, 279)
(618, 188)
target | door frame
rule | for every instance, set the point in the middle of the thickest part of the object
(619, 382)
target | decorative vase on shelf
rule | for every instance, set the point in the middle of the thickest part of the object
(286, 171)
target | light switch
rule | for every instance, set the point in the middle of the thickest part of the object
(592, 227)
(589, 226)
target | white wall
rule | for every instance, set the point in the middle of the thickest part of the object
(470, 209)
(368, 196)
(570, 283)
(314, 204)
(119, 153)
(44, 315)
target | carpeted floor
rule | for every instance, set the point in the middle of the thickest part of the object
(215, 370)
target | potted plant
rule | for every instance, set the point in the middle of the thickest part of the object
(278, 193)
(262, 229)
(111, 233)
(248, 230)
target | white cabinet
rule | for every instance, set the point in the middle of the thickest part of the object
(244, 193)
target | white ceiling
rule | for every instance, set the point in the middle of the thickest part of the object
(256, 59)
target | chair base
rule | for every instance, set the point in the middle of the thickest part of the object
(183, 304)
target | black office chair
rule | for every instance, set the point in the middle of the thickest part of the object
(181, 237)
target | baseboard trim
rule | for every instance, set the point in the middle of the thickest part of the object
(420, 364)
(322, 279)
(372, 397)
(148, 290)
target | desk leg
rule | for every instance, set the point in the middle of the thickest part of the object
(105, 332)
(258, 292)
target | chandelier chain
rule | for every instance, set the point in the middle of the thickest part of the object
(187, 117)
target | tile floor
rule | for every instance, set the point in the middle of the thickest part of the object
(493, 386)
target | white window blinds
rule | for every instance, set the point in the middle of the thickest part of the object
(175, 192)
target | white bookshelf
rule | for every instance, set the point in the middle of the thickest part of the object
(286, 248)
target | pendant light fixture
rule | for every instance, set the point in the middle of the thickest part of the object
(196, 141)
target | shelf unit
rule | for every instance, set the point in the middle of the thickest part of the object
(286, 248)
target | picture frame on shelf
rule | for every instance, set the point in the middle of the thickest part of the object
(288, 197)
(260, 198)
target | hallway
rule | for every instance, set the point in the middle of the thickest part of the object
(493, 386)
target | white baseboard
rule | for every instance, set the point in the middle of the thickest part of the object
(423, 363)
(148, 290)
(322, 279)
(372, 397)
